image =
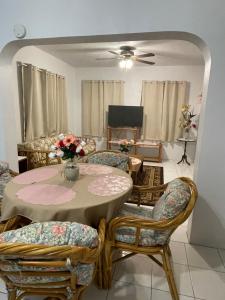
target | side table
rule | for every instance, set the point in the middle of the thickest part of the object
(22, 161)
(184, 156)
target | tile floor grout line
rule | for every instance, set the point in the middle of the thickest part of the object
(192, 285)
(220, 256)
(178, 293)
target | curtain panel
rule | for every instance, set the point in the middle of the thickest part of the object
(162, 101)
(43, 105)
(97, 95)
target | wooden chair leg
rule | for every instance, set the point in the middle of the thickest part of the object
(169, 273)
(169, 251)
(11, 293)
(107, 266)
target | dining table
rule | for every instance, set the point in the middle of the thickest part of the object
(43, 194)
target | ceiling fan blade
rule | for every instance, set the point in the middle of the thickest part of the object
(107, 58)
(113, 52)
(144, 61)
(145, 55)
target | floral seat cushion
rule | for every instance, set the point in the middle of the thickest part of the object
(171, 203)
(5, 176)
(117, 160)
(52, 234)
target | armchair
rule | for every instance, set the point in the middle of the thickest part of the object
(110, 158)
(54, 259)
(145, 231)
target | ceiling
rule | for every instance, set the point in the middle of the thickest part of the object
(167, 53)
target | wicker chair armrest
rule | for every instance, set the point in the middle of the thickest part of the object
(139, 223)
(151, 189)
(35, 150)
(13, 173)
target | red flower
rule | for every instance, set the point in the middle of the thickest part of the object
(73, 148)
(81, 153)
(59, 144)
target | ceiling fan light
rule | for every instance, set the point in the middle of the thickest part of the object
(122, 64)
(129, 64)
(126, 64)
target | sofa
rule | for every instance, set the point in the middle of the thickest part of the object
(37, 151)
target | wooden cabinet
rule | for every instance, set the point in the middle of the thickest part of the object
(134, 133)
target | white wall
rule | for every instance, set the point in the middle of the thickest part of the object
(42, 59)
(132, 90)
(102, 20)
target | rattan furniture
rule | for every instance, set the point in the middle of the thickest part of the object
(5, 176)
(113, 158)
(21, 262)
(161, 230)
(37, 151)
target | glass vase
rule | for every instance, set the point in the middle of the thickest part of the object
(71, 170)
(186, 133)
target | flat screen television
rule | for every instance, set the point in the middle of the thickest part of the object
(125, 116)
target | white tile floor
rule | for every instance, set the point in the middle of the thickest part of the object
(199, 271)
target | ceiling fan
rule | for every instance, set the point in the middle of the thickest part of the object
(126, 56)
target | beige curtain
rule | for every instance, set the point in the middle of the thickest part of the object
(152, 101)
(175, 94)
(97, 95)
(43, 107)
(162, 101)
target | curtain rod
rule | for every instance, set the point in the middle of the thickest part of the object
(19, 63)
(163, 81)
(96, 80)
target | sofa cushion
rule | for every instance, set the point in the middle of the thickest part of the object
(4, 167)
(52, 234)
(117, 160)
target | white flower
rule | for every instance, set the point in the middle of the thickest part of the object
(83, 143)
(53, 147)
(79, 147)
(61, 136)
(60, 153)
(52, 155)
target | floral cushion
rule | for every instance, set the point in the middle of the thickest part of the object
(5, 176)
(171, 203)
(126, 234)
(53, 233)
(117, 160)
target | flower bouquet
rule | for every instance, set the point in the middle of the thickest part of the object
(186, 122)
(125, 145)
(67, 147)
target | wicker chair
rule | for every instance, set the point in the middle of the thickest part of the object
(111, 158)
(59, 272)
(134, 231)
(5, 176)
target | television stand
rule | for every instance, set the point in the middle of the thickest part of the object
(135, 131)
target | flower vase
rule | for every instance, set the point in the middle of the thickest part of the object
(186, 133)
(71, 170)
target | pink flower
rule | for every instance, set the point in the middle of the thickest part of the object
(58, 229)
(69, 139)
(59, 144)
